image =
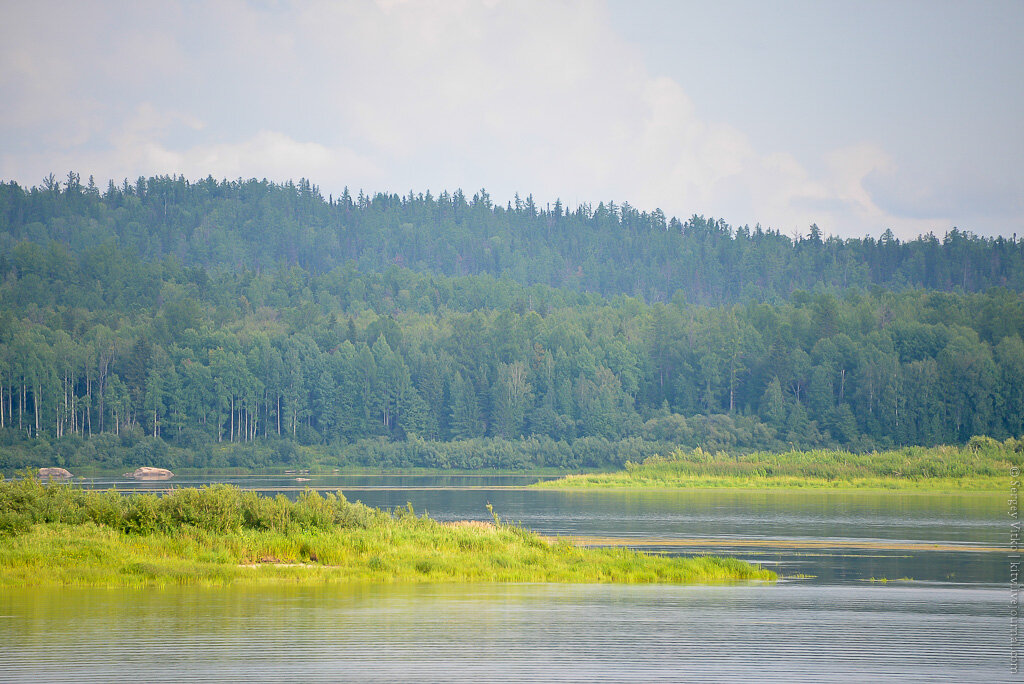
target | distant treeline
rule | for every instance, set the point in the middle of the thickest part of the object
(609, 249)
(106, 339)
(316, 364)
(109, 453)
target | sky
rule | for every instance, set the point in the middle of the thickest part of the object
(857, 116)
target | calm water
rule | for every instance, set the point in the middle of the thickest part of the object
(949, 620)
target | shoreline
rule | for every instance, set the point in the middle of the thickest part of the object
(983, 466)
(55, 555)
(60, 535)
(567, 485)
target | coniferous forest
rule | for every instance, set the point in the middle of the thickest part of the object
(250, 324)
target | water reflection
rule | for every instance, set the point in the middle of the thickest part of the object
(824, 522)
(827, 536)
(505, 633)
(950, 623)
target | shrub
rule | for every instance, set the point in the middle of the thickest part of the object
(142, 515)
(12, 523)
(217, 508)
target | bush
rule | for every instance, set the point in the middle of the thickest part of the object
(983, 443)
(142, 515)
(217, 509)
(104, 508)
(266, 513)
(12, 523)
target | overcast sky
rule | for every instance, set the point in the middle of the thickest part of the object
(859, 116)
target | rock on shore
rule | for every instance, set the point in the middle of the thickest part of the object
(147, 473)
(54, 474)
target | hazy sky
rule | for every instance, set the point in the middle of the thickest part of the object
(858, 116)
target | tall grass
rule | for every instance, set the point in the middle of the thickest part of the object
(61, 535)
(982, 464)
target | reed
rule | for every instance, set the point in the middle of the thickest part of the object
(983, 464)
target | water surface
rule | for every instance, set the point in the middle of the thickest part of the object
(943, 614)
(505, 633)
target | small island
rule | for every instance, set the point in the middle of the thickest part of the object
(59, 535)
(982, 466)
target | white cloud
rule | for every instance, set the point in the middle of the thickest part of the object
(544, 98)
(267, 154)
(271, 154)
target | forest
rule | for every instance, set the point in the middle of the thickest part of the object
(247, 324)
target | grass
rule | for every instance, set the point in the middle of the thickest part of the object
(57, 535)
(983, 465)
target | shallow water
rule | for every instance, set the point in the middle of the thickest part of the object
(830, 536)
(952, 622)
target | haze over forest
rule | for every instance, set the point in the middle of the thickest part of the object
(857, 118)
(368, 335)
(703, 225)
(228, 323)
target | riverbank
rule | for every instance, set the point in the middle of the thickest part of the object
(58, 535)
(984, 465)
(599, 481)
(84, 474)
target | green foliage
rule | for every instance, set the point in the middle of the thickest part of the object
(215, 509)
(221, 535)
(610, 249)
(246, 324)
(983, 464)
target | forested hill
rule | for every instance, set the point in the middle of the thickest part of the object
(228, 343)
(609, 249)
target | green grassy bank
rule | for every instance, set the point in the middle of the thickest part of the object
(983, 465)
(58, 535)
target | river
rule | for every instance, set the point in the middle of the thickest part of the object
(878, 586)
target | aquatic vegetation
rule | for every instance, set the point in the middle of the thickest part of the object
(984, 464)
(62, 535)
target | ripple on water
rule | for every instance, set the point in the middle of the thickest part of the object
(508, 633)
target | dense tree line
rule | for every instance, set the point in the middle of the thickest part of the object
(409, 368)
(610, 249)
